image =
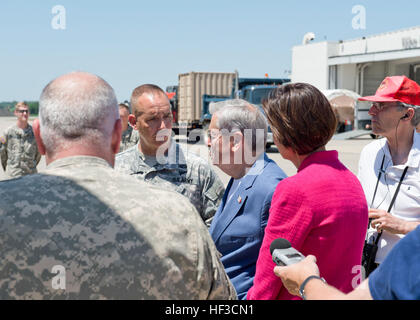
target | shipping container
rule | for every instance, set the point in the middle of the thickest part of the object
(192, 87)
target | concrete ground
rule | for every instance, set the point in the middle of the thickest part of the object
(348, 151)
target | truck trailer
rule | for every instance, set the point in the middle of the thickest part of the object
(191, 88)
(196, 90)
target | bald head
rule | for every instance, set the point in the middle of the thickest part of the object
(76, 83)
(77, 107)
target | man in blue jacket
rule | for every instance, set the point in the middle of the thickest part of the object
(237, 137)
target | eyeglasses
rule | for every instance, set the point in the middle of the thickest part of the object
(22, 111)
(213, 134)
(383, 105)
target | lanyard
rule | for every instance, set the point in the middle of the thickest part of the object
(395, 194)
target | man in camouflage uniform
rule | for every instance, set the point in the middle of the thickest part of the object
(18, 150)
(160, 161)
(107, 235)
(129, 136)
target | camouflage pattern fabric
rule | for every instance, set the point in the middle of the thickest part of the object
(111, 236)
(129, 138)
(19, 152)
(183, 172)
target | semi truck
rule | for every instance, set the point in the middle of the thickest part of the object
(253, 90)
(196, 90)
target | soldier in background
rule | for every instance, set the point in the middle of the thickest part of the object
(159, 160)
(129, 136)
(18, 150)
(107, 235)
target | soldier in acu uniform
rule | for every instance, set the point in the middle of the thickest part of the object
(160, 161)
(18, 150)
(129, 136)
(107, 235)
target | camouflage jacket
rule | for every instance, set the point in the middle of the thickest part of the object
(129, 138)
(84, 231)
(19, 152)
(185, 173)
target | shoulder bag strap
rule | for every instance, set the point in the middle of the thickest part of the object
(377, 182)
(393, 200)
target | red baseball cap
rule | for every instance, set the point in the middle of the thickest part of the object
(396, 88)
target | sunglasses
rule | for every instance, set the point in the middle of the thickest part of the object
(22, 111)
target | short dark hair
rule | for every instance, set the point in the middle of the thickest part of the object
(139, 91)
(300, 116)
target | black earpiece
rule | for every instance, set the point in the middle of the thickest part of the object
(406, 116)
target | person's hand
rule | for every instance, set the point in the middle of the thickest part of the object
(293, 275)
(383, 220)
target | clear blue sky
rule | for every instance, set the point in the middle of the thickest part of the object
(131, 42)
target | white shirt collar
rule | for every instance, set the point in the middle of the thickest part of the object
(413, 159)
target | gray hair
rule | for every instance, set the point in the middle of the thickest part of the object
(238, 114)
(74, 110)
(416, 119)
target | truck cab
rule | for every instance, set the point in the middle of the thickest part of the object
(255, 90)
(256, 94)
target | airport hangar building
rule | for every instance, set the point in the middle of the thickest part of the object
(358, 65)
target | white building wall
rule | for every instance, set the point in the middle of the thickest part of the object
(346, 77)
(386, 54)
(373, 76)
(402, 66)
(310, 63)
(389, 41)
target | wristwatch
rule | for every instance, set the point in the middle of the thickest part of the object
(302, 286)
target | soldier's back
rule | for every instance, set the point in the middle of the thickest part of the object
(111, 236)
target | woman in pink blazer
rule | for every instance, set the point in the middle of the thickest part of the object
(322, 209)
